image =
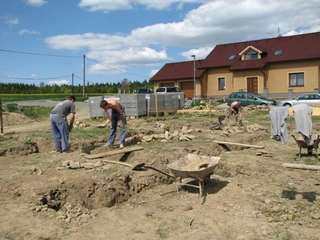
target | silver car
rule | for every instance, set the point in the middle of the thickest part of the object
(308, 98)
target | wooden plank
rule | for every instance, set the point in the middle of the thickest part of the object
(238, 144)
(113, 152)
(301, 166)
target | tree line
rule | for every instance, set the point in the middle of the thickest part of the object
(125, 86)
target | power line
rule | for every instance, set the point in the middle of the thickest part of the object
(68, 56)
(39, 54)
(34, 78)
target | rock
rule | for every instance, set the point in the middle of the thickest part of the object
(65, 163)
(316, 216)
(74, 165)
(147, 138)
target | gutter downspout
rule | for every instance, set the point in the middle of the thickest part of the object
(264, 80)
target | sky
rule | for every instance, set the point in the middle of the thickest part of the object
(107, 41)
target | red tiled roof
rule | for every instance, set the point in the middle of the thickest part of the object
(178, 70)
(298, 47)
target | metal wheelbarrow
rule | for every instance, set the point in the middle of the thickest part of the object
(193, 166)
(302, 144)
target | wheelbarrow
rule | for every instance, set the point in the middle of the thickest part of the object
(302, 144)
(193, 166)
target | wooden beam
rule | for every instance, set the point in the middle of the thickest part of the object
(301, 166)
(113, 152)
(238, 144)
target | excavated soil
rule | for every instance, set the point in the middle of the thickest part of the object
(250, 195)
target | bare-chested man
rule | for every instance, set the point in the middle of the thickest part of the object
(117, 114)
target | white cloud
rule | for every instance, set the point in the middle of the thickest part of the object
(36, 3)
(58, 82)
(12, 21)
(91, 41)
(26, 31)
(115, 62)
(214, 22)
(111, 5)
(164, 4)
(105, 5)
(201, 53)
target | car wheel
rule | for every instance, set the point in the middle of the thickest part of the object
(263, 104)
(287, 105)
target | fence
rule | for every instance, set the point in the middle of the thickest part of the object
(141, 104)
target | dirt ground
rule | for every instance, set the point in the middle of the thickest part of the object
(250, 195)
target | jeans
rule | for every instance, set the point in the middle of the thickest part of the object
(60, 132)
(115, 118)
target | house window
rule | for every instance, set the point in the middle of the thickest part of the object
(222, 83)
(278, 52)
(251, 54)
(231, 57)
(296, 79)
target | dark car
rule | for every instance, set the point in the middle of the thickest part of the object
(250, 98)
(307, 98)
(144, 90)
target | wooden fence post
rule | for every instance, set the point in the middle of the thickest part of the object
(1, 119)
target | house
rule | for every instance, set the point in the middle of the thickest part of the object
(275, 67)
(180, 74)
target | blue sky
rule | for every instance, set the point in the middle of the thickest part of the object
(45, 40)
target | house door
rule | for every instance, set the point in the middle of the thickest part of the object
(187, 88)
(252, 84)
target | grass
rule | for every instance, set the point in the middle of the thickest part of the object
(24, 97)
(37, 113)
(89, 134)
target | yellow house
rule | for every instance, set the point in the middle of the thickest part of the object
(276, 67)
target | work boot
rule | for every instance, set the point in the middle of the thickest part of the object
(108, 145)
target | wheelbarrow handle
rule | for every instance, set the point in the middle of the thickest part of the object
(158, 170)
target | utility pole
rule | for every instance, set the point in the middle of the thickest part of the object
(194, 79)
(72, 83)
(84, 75)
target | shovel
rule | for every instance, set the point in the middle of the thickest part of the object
(135, 167)
(140, 166)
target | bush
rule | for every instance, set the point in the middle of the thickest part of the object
(12, 107)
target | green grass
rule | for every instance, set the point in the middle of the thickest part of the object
(55, 97)
(89, 133)
(37, 113)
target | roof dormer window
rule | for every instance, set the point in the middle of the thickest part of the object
(278, 52)
(251, 54)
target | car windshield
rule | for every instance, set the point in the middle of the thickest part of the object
(161, 90)
(142, 90)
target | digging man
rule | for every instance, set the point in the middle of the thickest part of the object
(235, 109)
(117, 114)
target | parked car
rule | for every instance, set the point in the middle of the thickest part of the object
(249, 98)
(144, 90)
(308, 98)
(168, 89)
